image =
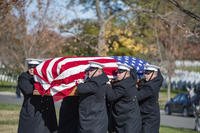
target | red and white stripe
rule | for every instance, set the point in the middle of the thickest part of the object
(58, 76)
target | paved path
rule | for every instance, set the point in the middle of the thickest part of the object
(174, 120)
(178, 121)
(10, 98)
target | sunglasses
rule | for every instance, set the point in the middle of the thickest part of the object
(92, 69)
(120, 71)
(147, 72)
(32, 66)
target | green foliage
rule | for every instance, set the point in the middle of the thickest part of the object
(121, 51)
(85, 41)
(141, 25)
(90, 28)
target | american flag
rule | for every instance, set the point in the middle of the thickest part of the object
(136, 63)
(58, 76)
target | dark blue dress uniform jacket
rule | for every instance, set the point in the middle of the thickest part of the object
(148, 100)
(37, 113)
(69, 117)
(125, 108)
(92, 105)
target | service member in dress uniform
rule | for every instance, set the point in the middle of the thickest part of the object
(69, 116)
(37, 114)
(92, 104)
(125, 108)
(148, 99)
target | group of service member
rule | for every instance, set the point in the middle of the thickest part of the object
(100, 105)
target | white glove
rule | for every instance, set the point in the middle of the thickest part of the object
(79, 81)
(108, 83)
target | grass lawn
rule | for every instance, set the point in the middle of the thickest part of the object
(164, 129)
(8, 90)
(9, 115)
(189, 68)
(7, 86)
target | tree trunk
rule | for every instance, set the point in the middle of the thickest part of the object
(102, 48)
(169, 88)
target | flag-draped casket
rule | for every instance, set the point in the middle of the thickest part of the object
(58, 76)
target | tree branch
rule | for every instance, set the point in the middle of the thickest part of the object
(126, 11)
(189, 13)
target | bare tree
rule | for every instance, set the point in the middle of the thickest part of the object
(172, 42)
(17, 43)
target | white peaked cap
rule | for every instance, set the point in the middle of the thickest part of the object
(151, 67)
(33, 62)
(124, 67)
(95, 64)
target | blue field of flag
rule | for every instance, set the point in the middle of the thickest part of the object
(137, 63)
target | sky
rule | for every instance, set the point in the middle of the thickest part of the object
(57, 14)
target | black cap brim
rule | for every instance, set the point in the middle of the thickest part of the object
(32, 66)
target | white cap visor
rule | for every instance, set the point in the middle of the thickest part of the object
(124, 67)
(33, 62)
(149, 67)
(95, 65)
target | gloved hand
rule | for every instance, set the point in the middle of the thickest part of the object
(79, 81)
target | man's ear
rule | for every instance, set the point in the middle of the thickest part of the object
(156, 74)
